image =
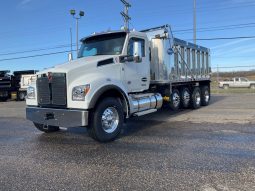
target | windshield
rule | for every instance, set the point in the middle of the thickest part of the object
(106, 44)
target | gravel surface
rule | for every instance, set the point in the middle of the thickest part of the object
(209, 149)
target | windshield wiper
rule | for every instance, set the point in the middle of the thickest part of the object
(99, 54)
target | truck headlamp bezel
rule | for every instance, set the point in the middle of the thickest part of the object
(79, 92)
(30, 92)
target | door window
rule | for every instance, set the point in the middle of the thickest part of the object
(243, 80)
(131, 48)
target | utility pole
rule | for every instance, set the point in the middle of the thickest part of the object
(218, 78)
(81, 14)
(125, 15)
(71, 38)
(70, 55)
(195, 21)
(217, 73)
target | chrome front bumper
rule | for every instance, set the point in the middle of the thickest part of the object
(57, 117)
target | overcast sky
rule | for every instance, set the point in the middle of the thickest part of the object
(35, 24)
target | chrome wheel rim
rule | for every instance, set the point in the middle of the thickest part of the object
(207, 96)
(176, 99)
(110, 119)
(22, 96)
(186, 97)
(197, 98)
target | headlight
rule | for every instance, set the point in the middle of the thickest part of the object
(79, 92)
(30, 92)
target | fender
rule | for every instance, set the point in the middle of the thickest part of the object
(104, 89)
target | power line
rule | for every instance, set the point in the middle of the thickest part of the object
(248, 66)
(219, 27)
(225, 38)
(32, 56)
(61, 52)
(36, 50)
(242, 25)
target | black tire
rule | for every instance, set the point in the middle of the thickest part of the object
(175, 100)
(196, 98)
(252, 86)
(46, 129)
(185, 97)
(99, 131)
(225, 86)
(205, 96)
(22, 96)
(4, 99)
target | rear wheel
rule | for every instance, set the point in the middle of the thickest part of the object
(205, 96)
(4, 99)
(185, 97)
(175, 100)
(196, 98)
(107, 120)
(46, 128)
(252, 86)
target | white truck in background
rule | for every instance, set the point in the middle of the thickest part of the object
(237, 82)
(25, 81)
(119, 75)
(14, 86)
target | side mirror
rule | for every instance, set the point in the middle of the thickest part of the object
(137, 59)
(137, 52)
(126, 58)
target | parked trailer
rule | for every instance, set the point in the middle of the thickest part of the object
(119, 75)
(5, 84)
(15, 85)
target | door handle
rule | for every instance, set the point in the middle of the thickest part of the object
(144, 79)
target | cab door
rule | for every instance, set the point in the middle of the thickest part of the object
(244, 83)
(137, 70)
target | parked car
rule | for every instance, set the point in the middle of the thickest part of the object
(237, 82)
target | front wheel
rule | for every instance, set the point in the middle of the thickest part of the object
(107, 120)
(225, 87)
(46, 128)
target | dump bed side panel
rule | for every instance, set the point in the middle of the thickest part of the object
(187, 62)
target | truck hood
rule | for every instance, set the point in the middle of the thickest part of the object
(86, 63)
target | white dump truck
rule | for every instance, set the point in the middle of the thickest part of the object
(119, 75)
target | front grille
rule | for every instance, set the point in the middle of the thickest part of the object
(51, 92)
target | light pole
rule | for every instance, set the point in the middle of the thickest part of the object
(195, 21)
(81, 14)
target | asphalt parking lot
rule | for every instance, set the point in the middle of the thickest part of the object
(209, 149)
